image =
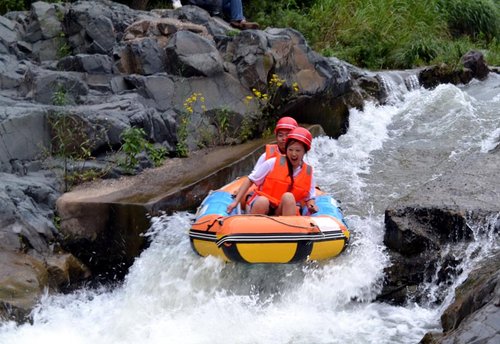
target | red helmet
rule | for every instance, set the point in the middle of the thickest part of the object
(302, 135)
(287, 123)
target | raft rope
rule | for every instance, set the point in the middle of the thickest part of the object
(221, 220)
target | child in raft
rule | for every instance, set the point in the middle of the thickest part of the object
(282, 129)
(284, 182)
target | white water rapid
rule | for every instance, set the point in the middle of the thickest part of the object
(173, 296)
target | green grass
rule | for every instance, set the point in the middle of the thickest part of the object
(377, 34)
(390, 34)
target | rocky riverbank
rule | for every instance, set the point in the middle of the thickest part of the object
(119, 68)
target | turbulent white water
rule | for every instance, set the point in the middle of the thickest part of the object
(173, 296)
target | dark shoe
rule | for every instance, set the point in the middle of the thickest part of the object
(244, 25)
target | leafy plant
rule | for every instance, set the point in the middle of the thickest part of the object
(157, 155)
(63, 49)
(134, 143)
(190, 103)
(182, 147)
(233, 33)
(222, 119)
(245, 130)
(69, 141)
(271, 101)
(493, 53)
(11, 5)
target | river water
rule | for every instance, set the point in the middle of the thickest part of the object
(173, 296)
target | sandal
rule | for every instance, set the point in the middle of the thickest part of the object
(244, 25)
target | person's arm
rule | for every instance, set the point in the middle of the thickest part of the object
(242, 191)
(256, 177)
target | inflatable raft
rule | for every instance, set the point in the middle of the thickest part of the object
(250, 238)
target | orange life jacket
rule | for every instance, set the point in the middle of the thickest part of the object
(278, 182)
(272, 151)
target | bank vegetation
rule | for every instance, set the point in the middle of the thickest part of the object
(374, 34)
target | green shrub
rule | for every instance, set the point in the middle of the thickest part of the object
(477, 19)
(69, 140)
(11, 5)
(417, 52)
(134, 143)
(182, 148)
(270, 101)
(492, 55)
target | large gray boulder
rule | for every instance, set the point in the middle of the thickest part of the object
(24, 131)
(8, 34)
(427, 232)
(44, 30)
(189, 54)
(420, 224)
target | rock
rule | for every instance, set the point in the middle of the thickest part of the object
(65, 269)
(8, 34)
(474, 316)
(44, 23)
(215, 25)
(442, 74)
(253, 62)
(189, 54)
(474, 60)
(144, 57)
(474, 67)
(42, 86)
(26, 209)
(440, 212)
(44, 30)
(22, 283)
(11, 74)
(90, 26)
(482, 287)
(87, 63)
(161, 29)
(24, 131)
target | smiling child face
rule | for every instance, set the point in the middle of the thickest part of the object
(295, 152)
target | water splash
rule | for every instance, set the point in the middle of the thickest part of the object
(464, 257)
(172, 295)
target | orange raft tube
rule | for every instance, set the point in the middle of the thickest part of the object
(266, 239)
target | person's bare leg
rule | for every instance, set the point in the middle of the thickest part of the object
(287, 205)
(260, 206)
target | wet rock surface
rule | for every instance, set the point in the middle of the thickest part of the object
(440, 218)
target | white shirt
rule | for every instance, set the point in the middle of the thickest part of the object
(259, 162)
(261, 171)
